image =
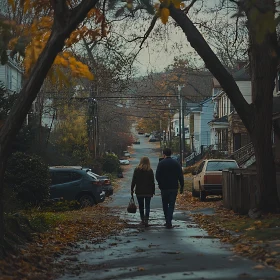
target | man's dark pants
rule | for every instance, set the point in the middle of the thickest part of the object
(168, 198)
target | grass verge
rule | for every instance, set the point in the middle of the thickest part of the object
(256, 239)
(59, 232)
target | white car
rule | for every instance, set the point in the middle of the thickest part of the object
(124, 162)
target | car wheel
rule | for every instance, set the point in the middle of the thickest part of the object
(86, 200)
(202, 195)
(194, 192)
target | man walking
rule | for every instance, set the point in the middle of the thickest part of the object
(168, 173)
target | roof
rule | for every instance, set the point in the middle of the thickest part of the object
(241, 75)
(223, 119)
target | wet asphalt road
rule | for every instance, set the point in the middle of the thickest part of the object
(184, 252)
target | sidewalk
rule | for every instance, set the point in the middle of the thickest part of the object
(184, 252)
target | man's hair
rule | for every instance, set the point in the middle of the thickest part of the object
(167, 152)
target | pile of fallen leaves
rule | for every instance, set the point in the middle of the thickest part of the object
(37, 260)
(187, 202)
(256, 239)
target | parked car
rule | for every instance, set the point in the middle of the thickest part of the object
(124, 161)
(126, 153)
(147, 134)
(137, 141)
(152, 138)
(76, 183)
(106, 182)
(207, 178)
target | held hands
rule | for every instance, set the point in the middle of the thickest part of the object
(181, 191)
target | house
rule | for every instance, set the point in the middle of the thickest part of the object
(11, 75)
(175, 127)
(228, 133)
(199, 117)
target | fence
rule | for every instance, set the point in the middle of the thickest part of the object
(239, 189)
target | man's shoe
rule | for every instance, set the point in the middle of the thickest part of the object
(169, 226)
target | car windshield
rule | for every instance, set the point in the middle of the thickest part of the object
(220, 165)
(92, 175)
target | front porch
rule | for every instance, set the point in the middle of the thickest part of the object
(219, 134)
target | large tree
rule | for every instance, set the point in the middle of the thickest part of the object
(263, 57)
(66, 18)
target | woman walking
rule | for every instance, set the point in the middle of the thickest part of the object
(143, 179)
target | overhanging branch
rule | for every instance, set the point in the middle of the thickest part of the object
(153, 23)
(214, 65)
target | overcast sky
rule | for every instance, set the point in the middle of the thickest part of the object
(158, 54)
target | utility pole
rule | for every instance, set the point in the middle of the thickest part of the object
(181, 122)
(183, 129)
(180, 127)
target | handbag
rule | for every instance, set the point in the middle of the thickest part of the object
(131, 208)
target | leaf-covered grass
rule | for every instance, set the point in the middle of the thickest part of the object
(249, 237)
(59, 231)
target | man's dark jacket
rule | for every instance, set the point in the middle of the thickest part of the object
(168, 173)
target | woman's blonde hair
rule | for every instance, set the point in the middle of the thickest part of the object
(144, 164)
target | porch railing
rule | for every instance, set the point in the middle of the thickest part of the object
(243, 154)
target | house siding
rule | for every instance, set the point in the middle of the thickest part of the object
(196, 132)
(11, 77)
(245, 88)
(3, 74)
(206, 116)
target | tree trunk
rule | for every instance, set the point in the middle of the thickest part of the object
(65, 21)
(256, 117)
(263, 65)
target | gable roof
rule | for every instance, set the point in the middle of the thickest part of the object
(241, 75)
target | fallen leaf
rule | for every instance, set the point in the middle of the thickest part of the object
(259, 266)
(140, 268)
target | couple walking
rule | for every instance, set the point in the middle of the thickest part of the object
(168, 173)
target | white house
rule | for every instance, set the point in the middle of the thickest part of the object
(11, 75)
(227, 130)
(175, 127)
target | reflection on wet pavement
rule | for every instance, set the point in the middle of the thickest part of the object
(183, 252)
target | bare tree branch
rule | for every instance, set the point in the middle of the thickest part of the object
(186, 10)
(154, 20)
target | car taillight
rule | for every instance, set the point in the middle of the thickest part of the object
(107, 182)
(98, 183)
(205, 179)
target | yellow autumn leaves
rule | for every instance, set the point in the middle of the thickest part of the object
(163, 8)
(37, 34)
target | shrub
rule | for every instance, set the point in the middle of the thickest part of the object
(110, 163)
(28, 177)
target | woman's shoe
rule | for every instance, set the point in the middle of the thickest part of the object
(146, 222)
